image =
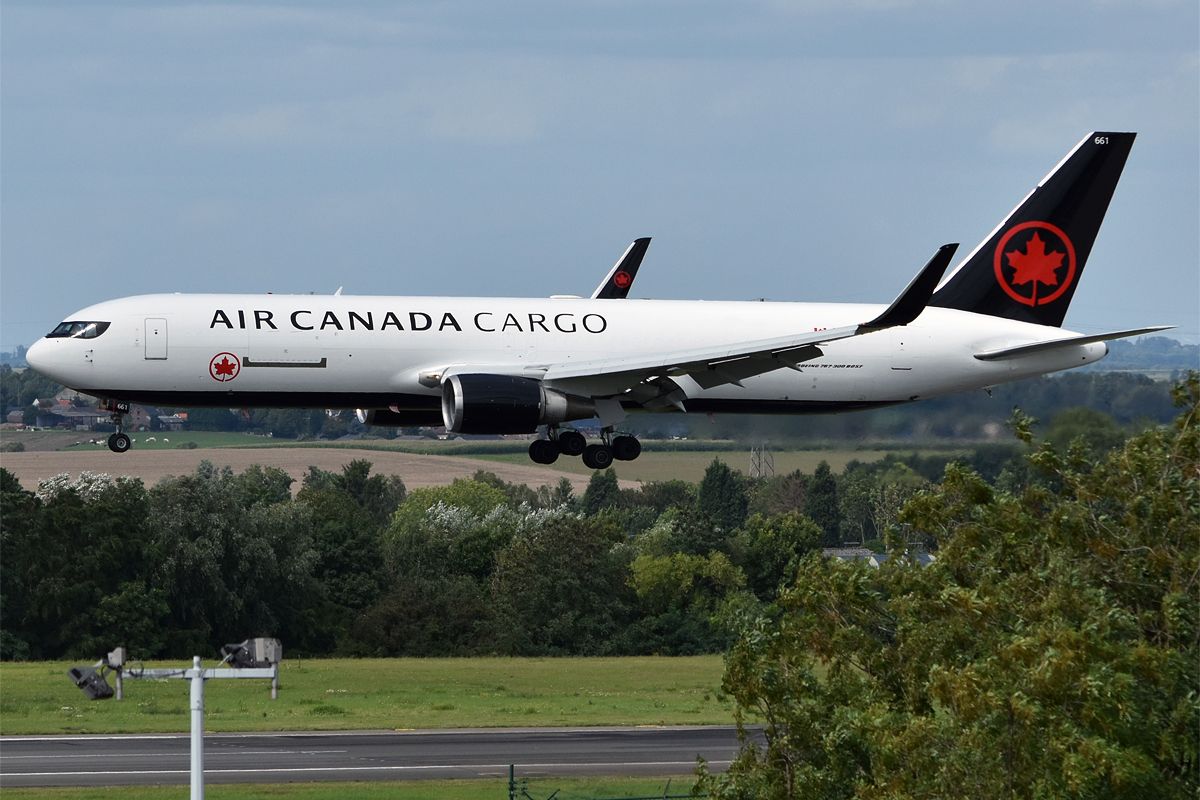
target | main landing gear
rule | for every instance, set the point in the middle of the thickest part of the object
(595, 456)
(119, 442)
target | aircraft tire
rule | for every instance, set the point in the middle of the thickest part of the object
(543, 451)
(571, 443)
(119, 443)
(597, 456)
(626, 448)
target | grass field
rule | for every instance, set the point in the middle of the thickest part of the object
(495, 789)
(690, 466)
(383, 694)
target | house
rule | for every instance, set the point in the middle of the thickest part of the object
(73, 411)
(847, 553)
(171, 422)
(918, 557)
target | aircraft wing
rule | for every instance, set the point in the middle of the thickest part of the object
(713, 366)
(616, 283)
(1071, 341)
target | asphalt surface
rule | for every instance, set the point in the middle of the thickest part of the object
(115, 760)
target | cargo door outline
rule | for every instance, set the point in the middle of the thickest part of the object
(156, 339)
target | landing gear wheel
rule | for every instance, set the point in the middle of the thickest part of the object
(597, 456)
(626, 448)
(571, 443)
(543, 451)
(119, 442)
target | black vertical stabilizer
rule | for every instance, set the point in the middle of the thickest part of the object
(1028, 267)
(619, 279)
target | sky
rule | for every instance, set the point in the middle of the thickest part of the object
(813, 150)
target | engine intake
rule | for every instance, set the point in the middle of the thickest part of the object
(506, 404)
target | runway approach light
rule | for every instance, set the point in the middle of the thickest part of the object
(91, 680)
(253, 653)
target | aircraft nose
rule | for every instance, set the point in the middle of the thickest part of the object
(37, 356)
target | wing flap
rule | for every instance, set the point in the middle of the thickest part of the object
(763, 355)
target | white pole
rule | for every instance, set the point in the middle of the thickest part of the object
(196, 676)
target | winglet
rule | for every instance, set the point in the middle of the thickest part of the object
(912, 301)
(616, 283)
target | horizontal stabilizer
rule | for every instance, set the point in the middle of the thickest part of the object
(912, 301)
(1053, 344)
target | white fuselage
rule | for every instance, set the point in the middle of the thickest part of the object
(372, 351)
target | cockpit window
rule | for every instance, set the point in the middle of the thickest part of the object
(78, 330)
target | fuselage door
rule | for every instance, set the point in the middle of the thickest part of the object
(156, 338)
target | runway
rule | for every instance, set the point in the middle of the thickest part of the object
(115, 760)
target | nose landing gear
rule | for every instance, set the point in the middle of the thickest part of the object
(119, 442)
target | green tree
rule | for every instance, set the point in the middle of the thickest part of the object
(821, 504)
(1093, 430)
(661, 495)
(378, 495)
(261, 485)
(602, 492)
(561, 588)
(444, 615)
(347, 543)
(679, 596)
(231, 572)
(722, 497)
(556, 496)
(768, 550)
(69, 554)
(213, 419)
(1050, 651)
(780, 494)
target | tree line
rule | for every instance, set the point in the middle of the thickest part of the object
(355, 564)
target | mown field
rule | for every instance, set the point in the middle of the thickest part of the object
(383, 694)
(478, 789)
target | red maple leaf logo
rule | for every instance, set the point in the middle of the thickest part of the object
(223, 367)
(622, 279)
(1035, 264)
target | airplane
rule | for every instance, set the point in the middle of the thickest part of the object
(615, 286)
(490, 365)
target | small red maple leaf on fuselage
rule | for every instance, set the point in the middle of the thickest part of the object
(1035, 264)
(223, 367)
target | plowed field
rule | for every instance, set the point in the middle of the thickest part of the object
(154, 465)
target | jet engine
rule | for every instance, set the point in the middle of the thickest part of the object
(506, 404)
(399, 417)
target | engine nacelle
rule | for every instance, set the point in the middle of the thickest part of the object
(506, 404)
(400, 417)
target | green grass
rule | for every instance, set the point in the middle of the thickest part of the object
(690, 466)
(383, 694)
(163, 440)
(486, 789)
